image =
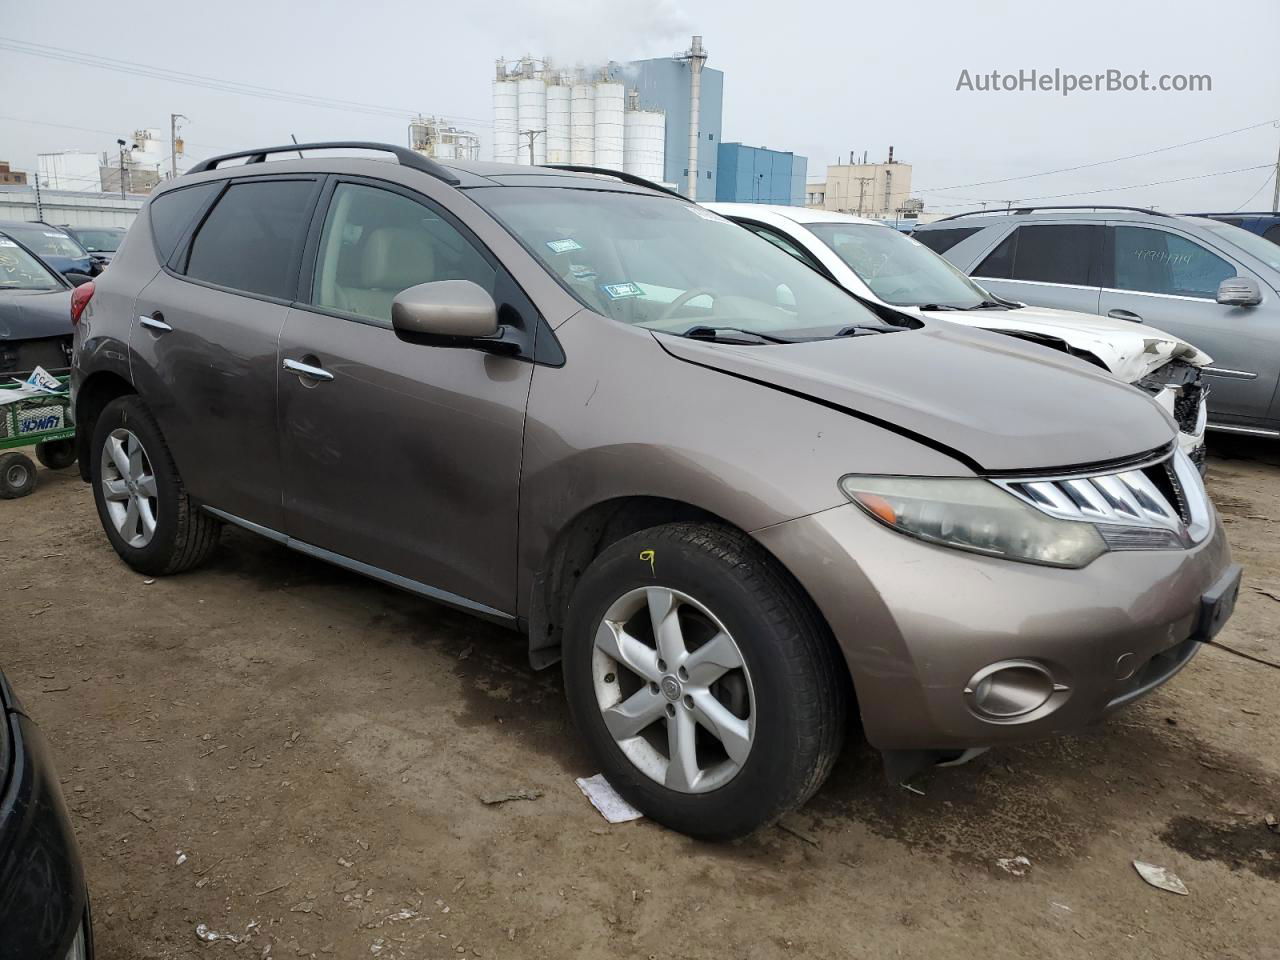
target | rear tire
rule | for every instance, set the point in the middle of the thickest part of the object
(56, 454)
(764, 686)
(141, 500)
(17, 475)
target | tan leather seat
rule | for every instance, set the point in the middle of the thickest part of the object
(391, 259)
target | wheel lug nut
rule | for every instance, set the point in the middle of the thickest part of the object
(609, 678)
(688, 701)
(671, 709)
(662, 665)
(683, 673)
(653, 687)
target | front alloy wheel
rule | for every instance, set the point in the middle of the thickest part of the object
(673, 689)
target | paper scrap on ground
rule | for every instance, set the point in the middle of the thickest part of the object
(1160, 877)
(605, 799)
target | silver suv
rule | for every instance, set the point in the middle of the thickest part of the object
(727, 495)
(1211, 283)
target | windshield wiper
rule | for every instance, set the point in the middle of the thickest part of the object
(988, 305)
(938, 306)
(862, 329)
(715, 334)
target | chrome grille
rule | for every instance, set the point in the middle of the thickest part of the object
(1160, 506)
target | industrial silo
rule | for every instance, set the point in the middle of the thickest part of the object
(645, 141)
(609, 125)
(532, 96)
(506, 122)
(558, 123)
(582, 124)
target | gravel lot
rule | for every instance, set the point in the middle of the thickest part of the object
(317, 746)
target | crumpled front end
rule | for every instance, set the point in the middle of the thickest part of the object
(1179, 387)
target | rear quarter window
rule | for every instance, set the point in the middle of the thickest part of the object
(172, 213)
(940, 241)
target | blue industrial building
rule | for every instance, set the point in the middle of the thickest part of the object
(759, 175)
(663, 84)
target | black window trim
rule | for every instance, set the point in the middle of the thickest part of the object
(177, 264)
(1097, 264)
(197, 218)
(539, 343)
(811, 261)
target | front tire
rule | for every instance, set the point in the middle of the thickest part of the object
(141, 500)
(702, 679)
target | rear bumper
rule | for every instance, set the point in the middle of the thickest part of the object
(43, 899)
(917, 622)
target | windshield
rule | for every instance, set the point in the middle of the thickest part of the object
(1259, 247)
(19, 270)
(47, 242)
(668, 265)
(100, 241)
(897, 268)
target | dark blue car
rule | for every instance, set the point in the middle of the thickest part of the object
(1264, 224)
(52, 245)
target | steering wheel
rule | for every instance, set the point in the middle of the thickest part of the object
(683, 299)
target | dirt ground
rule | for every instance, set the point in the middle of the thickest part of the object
(317, 746)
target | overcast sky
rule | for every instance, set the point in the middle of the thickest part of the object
(820, 79)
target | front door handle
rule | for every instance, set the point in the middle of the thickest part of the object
(155, 322)
(307, 370)
(1124, 315)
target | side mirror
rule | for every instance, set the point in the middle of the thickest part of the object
(1239, 292)
(444, 311)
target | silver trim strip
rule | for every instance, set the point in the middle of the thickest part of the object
(154, 324)
(306, 370)
(365, 569)
(1229, 374)
(1248, 431)
(1161, 296)
(1038, 283)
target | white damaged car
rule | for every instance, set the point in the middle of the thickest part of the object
(881, 264)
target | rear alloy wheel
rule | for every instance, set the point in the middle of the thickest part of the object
(141, 500)
(702, 679)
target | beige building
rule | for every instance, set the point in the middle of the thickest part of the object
(876, 190)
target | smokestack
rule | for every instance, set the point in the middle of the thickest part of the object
(891, 153)
(697, 56)
(851, 158)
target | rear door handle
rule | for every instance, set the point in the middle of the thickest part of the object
(307, 370)
(155, 322)
(1124, 315)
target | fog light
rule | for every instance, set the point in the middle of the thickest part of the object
(1010, 689)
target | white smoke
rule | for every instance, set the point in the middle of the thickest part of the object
(573, 32)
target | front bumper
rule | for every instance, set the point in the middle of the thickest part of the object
(916, 622)
(43, 900)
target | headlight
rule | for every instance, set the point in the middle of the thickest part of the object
(974, 515)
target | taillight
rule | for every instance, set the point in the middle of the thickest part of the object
(80, 298)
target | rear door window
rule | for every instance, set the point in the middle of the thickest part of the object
(1272, 234)
(940, 241)
(252, 239)
(1046, 253)
(172, 213)
(1157, 261)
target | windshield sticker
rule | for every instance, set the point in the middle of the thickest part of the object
(56, 236)
(563, 246)
(617, 291)
(6, 243)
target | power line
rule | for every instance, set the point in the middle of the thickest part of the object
(67, 55)
(1100, 163)
(1255, 193)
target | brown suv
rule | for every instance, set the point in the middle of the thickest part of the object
(732, 498)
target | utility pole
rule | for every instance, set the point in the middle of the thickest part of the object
(174, 142)
(1275, 195)
(532, 135)
(120, 144)
(39, 203)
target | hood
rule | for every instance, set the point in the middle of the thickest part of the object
(1129, 350)
(34, 314)
(993, 402)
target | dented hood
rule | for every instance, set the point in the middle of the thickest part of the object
(1128, 350)
(995, 402)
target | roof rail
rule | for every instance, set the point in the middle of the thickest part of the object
(630, 178)
(1055, 206)
(404, 156)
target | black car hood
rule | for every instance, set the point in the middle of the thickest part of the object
(34, 314)
(993, 402)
